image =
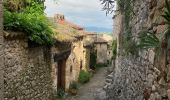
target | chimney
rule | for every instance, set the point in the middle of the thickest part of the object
(59, 18)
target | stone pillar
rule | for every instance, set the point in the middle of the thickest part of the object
(1, 52)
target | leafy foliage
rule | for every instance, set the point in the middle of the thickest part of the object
(149, 40)
(74, 85)
(60, 93)
(167, 13)
(32, 21)
(108, 5)
(19, 5)
(130, 47)
(84, 77)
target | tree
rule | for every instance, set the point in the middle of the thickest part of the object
(108, 5)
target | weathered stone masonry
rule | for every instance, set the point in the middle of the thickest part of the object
(26, 71)
(143, 77)
(1, 52)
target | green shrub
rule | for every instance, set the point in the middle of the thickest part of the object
(60, 93)
(32, 21)
(84, 77)
(74, 85)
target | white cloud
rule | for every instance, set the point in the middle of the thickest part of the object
(82, 12)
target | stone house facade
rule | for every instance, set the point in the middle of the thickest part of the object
(70, 39)
(103, 48)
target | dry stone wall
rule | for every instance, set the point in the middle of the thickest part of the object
(1, 53)
(27, 72)
(143, 77)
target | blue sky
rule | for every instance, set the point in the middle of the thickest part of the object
(86, 13)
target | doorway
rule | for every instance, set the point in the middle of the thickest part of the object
(61, 74)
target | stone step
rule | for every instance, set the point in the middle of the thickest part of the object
(110, 76)
(109, 80)
(106, 83)
(105, 87)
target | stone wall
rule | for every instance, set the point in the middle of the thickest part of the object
(1, 53)
(72, 69)
(27, 72)
(87, 58)
(101, 53)
(143, 77)
(109, 54)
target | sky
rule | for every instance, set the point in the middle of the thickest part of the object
(86, 13)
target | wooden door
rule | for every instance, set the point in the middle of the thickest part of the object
(61, 74)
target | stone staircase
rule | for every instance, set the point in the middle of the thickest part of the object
(108, 81)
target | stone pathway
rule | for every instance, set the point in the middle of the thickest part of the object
(87, 91)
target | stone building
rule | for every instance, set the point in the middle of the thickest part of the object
(32, 71)
(29, 74)
(103, 47)
(70, 53)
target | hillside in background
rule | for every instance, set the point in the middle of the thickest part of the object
(99, 29)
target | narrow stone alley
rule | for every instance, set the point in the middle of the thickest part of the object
(88, 91)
